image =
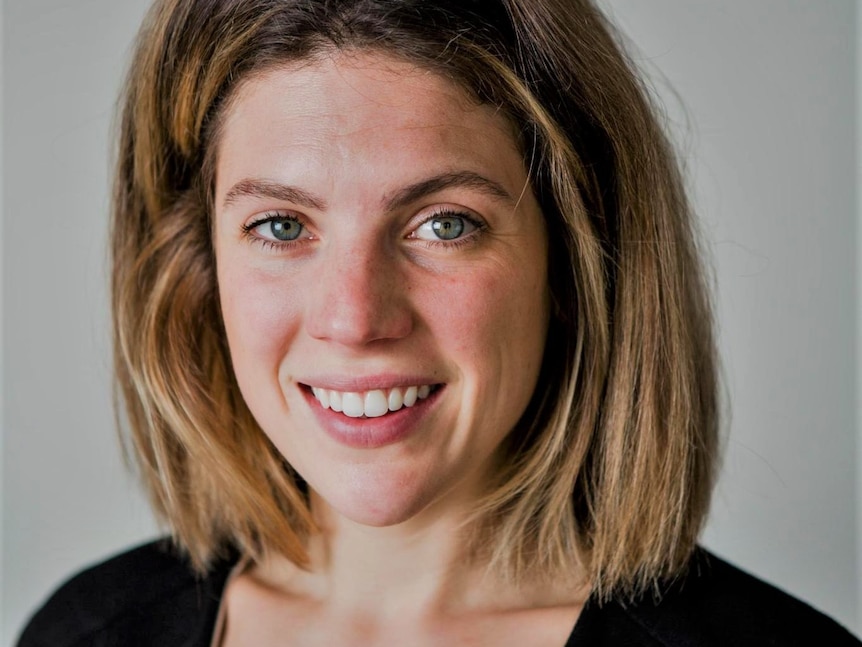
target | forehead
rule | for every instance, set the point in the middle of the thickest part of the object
(334, 84)
(344, 108)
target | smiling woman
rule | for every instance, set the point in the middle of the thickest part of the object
(413, 340)
(430, 281)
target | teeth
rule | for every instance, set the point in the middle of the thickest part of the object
(410, 396)
(396, 399)
(352, 405)
(334, 401)
(322, 396)
(371, 404)
(376, 404)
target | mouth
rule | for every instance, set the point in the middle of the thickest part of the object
(374, 403)
(375, 417)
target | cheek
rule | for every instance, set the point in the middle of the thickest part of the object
(494, 319)
(260, 313)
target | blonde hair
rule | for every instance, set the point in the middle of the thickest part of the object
(612, 465)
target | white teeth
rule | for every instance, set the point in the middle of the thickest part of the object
(322, 396)
(352, 405)
(376, 404)
(396, 399)
(410, 396)
(371, 404)
(335, 400)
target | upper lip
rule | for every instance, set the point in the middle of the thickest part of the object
(366, 382)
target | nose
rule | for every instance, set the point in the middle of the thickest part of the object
(358, 297)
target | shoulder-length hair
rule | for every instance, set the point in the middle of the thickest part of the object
(611, 467)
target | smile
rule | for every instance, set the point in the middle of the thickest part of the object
(371, 404)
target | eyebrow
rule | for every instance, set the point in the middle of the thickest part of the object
(467, 179)
(268, 189)
(457, 179)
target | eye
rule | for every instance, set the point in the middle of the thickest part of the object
(445, 227)
(284, 228)
(276, 228)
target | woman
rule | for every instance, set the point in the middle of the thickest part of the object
(413, 340)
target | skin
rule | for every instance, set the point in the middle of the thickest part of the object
(367, 294)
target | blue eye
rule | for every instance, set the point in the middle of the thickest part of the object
(277, 228)
(445, 227)
(284, 228)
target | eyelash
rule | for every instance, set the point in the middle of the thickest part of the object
(467, 239)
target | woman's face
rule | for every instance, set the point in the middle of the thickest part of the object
(382, 266)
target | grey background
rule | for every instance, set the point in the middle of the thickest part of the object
(762, 96)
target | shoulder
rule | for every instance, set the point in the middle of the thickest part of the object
(146, 596)
(714, 604)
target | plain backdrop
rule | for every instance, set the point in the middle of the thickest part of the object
(761, 96)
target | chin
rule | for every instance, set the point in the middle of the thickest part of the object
(377, 502)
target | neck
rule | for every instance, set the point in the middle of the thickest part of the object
(423, 569)
(423, 566)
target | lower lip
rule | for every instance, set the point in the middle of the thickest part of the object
(370, 433)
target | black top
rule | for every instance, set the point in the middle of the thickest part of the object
(149, 597)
